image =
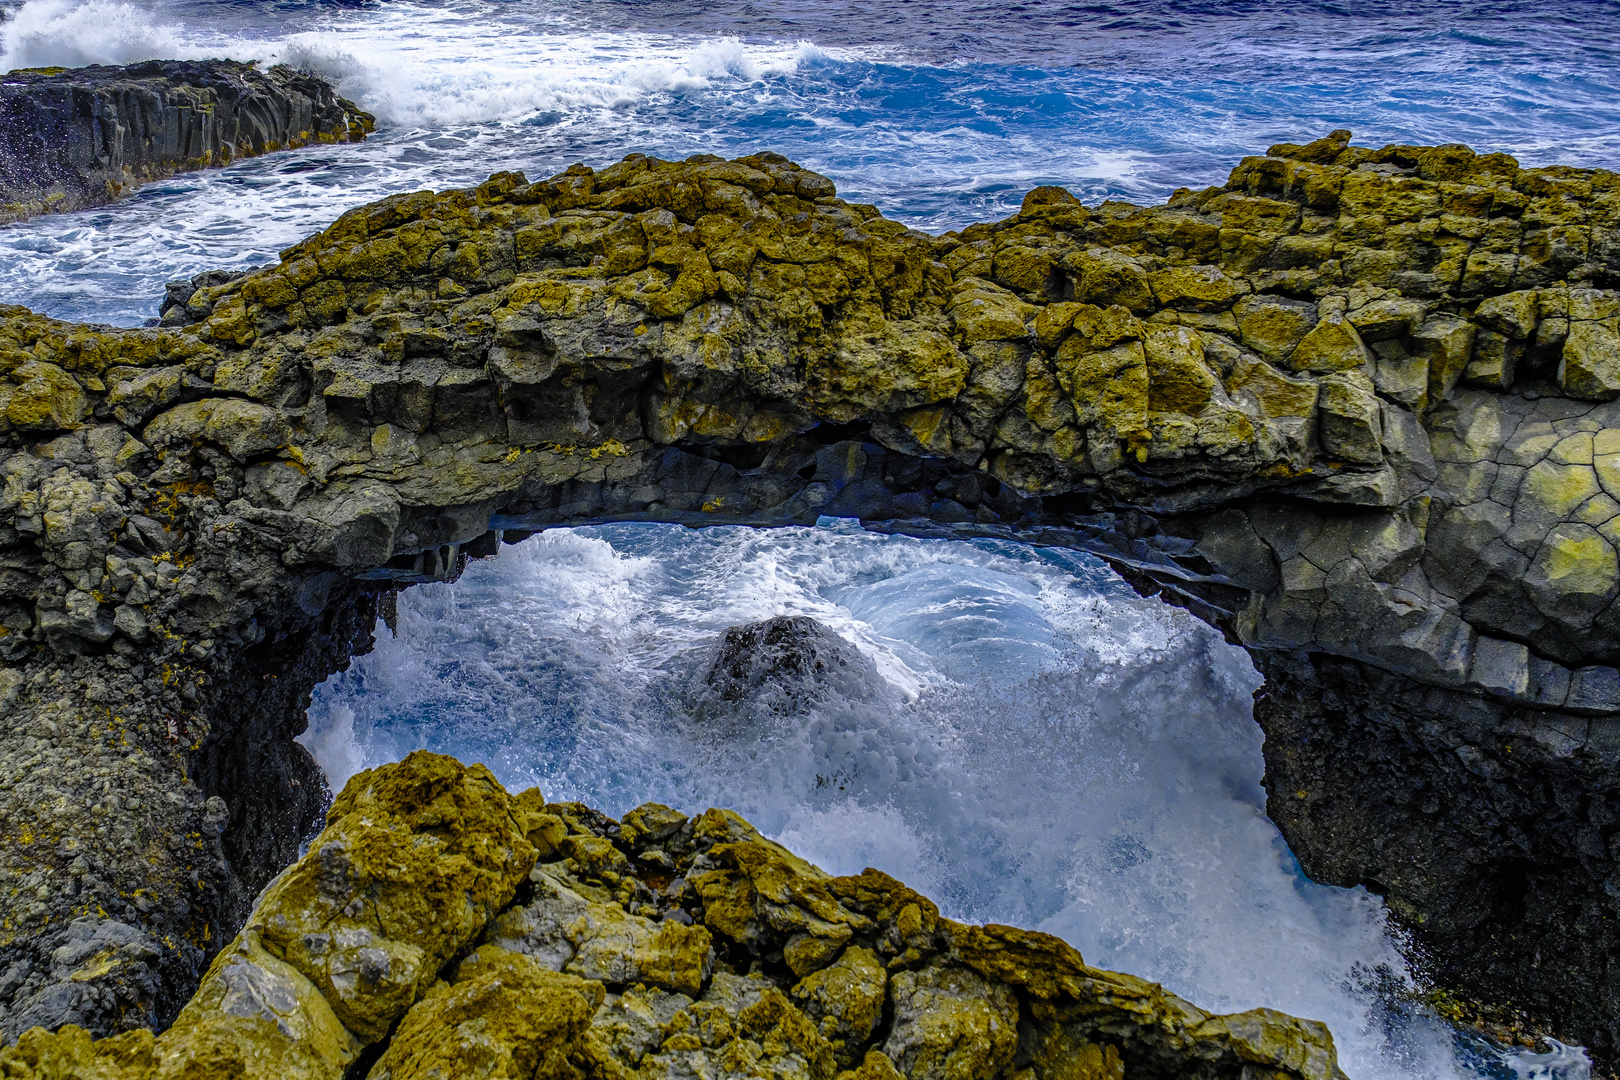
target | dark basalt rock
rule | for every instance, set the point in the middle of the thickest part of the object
(1484, 824)
(1359, 408)
(75, 138)
(785, 664)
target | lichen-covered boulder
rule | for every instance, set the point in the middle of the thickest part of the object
(846, 998)
(703, 949)
(415, 860)
(72, 1054)
(565, 931)
(950, 1024)
(259, 1018)
(503, 1016)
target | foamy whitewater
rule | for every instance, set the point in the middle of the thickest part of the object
(943, 112)
(1039, 746)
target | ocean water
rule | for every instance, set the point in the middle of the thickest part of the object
(1034, 743)
(943, 112)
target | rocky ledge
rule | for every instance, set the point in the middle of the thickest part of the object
(1359, 408)
(75, 138)
(438, 927)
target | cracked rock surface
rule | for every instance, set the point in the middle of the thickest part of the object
(1359, 408)
(440, 928)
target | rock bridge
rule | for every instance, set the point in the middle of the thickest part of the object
(1358, 408)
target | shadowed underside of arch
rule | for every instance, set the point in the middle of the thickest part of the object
(1356, 407)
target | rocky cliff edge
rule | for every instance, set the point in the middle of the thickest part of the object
(438, 927)
(81, 137)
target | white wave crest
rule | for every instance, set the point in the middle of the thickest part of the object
(418, 66)
(60, 33)
(412, 80)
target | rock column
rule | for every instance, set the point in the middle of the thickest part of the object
(71, 139)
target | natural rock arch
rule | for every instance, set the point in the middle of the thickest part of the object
(1355, 408)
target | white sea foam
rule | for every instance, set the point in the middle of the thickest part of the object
(48, 33)
(415, 66)
(1039, 746)
(459, 92)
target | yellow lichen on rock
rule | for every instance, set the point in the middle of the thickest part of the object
(951, 1024)
(259, 1018)
(567, 931)
(675, 959)
(846, 999)
(46, 399)
(71, 1054)
(415, 860)
(502, 1017)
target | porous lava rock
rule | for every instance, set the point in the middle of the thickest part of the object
(1358, 407)
(707, 951)
(72, 138)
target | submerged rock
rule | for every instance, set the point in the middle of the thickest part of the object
(570, 982)
(1358, 407)
(74, 138)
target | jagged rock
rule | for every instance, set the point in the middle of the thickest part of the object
(906, 993)
(846, 999)
(949, 1022)
(412, 864)
(75, 138)
(72, 1053)
(566, 932)
(783, 665)
(257, 1017)
(503, 1016)
(1255, 400)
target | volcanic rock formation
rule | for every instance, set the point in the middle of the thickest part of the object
(1359, 408)
(71, 139)
(441, 928)
(784, 666)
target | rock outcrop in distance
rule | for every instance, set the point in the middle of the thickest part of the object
(81, 137)
(439, 927)
(1359, 408)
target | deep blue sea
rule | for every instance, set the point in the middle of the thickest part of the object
(943, 112)
(1035, 743)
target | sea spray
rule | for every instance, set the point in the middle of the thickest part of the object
(62, 33)
(941, 117)
(1035, 744)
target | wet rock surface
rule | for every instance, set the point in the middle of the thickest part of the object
(81, 137)
(1356, 755)
(691, 947)
(784, 665)
(1357, 407)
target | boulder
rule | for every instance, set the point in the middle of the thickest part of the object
(783, 665)
(902, 992)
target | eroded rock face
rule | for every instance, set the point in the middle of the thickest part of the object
(1354, 404)
(75, 138)
(572, 981)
